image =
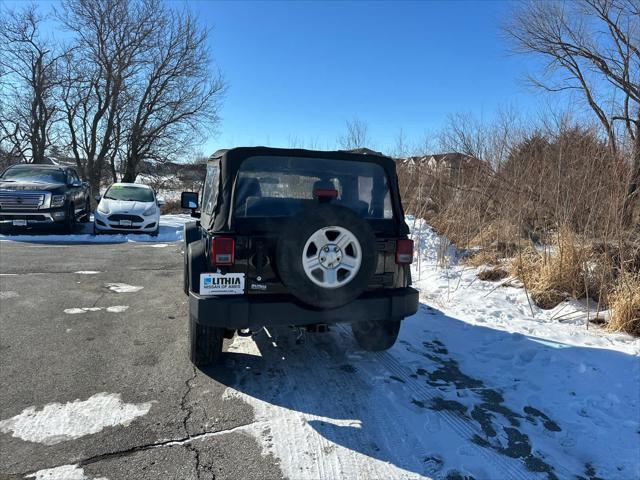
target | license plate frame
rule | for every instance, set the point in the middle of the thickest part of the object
(222, 283)
(19, 222)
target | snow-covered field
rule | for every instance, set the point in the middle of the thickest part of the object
(476, 387)
(170, 231)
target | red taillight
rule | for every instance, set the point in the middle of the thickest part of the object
(404, 252)
(223, 251)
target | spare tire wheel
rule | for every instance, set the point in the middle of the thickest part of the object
(326, 256)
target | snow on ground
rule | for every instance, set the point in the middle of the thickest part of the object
(113, 309)
(64, 472)
(57, 422)
(456, 290)
(475, 387)
(170, 231)
(123, 287)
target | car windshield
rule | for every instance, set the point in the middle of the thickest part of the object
(129, 193)
(271, 186)
(33, 174)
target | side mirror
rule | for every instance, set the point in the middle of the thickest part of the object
(189, 200)
(161, 202)
(98, 197)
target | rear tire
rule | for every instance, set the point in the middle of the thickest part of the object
(376, 336)
(70, 221)
(205, 344)
(87, 209)
(291, 246)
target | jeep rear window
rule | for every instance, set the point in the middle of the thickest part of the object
(271, 186)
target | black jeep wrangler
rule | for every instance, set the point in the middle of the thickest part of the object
(296, 237)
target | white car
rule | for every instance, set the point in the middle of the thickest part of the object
(130, 207)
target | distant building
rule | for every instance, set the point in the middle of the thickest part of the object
(455, 165)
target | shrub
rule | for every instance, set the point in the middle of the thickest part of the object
(492, 274)
(625, 305)
(552, 275)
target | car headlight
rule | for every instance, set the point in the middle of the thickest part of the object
(149, 211)
(102, 208)
(57, 200)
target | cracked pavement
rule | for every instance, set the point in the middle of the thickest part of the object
(192, 431)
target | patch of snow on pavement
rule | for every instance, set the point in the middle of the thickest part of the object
(64, 472)
(123, 287)
(57, 422)
(475, 385)
(117, 308)
(8, 294)
(75, 310)
(114, 309)
(87, 272)
(170, 231)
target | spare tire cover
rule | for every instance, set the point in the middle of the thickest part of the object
(326, 256)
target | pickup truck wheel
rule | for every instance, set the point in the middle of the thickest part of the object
(87, 212)
(70, 221)
(376, 336)
(326, 256)
(206, 344)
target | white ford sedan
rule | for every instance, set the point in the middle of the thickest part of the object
(130, 207)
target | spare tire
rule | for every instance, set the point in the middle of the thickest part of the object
(326, 256)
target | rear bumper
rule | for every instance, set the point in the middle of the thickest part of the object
(262, 311)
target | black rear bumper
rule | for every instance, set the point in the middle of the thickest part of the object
(258, 311)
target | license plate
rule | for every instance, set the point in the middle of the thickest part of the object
(19, 223)
(125, 223)
(221, 284)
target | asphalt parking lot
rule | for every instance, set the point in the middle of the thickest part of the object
(96, 385)
(95, 374)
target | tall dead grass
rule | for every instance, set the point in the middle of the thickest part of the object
(550, 198)
(624, 303)
(559, 271)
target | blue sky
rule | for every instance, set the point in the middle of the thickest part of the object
(299, 70)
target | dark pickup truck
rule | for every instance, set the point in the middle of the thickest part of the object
(32, 195)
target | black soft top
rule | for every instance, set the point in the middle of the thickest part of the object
(229, 161)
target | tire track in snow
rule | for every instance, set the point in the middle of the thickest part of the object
(512, 468)
(356, 429)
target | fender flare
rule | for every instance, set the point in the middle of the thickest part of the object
(190, 233)
(196, 263)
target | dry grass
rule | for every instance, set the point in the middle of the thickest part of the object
(625, 305)
(493, 274)
(172, 206)
(483, 257)
(552, 276)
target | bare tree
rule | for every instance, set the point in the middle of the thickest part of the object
(594, 48)
(356, 135)
(175, 93)
(109, 37)
(29, 66)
